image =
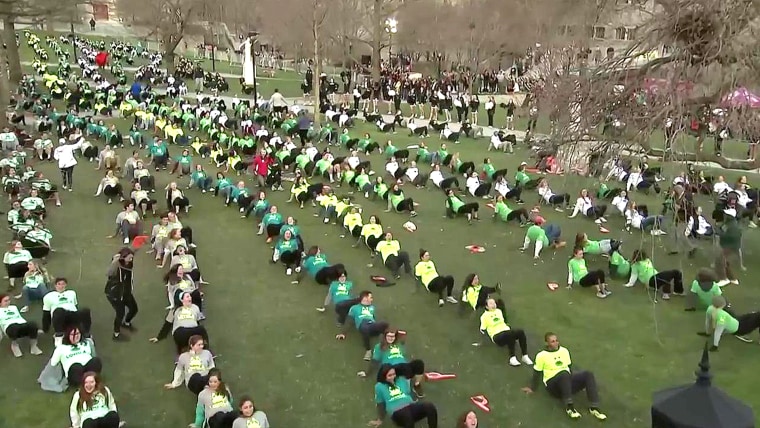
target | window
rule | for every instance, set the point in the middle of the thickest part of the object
(623, 33)
(598, 32)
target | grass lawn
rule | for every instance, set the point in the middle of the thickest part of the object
(275, 346)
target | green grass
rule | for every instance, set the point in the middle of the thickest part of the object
(274, 345)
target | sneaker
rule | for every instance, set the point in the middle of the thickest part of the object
(513, 361)
(70, 189)
(242, 210)
(288, 271)
(665, 296)
(25, 309)
(723, 282)
(526, 359)
(451, 299)
(601, 295)
(440, 302)
(604, 220)
(18, 296)
(110, 201)
(419, 392)
(35, 350)
(129, 327)
(598, 221)
(368, 356)
(298, 269)
(607, 291)
(572, 413)
(744, 339)
(119, 337)
(734, 282)
(597, 414)
(16, 349)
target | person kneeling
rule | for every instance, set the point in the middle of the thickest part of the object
(553, 365)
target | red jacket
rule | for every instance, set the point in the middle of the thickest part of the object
(261, 164)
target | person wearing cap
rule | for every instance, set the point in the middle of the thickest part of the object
(64, 154)
(544, 235)
(730, 241)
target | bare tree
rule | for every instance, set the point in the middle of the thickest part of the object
(170, 20)
(319, 17)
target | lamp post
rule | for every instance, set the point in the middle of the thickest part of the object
(214, 38)
(252, 36)
(391, 27)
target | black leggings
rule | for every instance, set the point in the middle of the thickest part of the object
(182, 337)
(520, 214)
(564, 385)
(273, 230)
(109, 420)
(17, 331)
(747, 323)
(559, 199)
(197, 383)
(396, 262)
(593, 278)
(441, 284)
(408, 416)
(470, 208)
(223, 419)
(596, 211)
(372, 241)
(448, 182)
(509, 338)
(328, 274)
(291, 258)
(410, 369)
(77, 371)
(405, 205)
(668, 281)
(63, 319)
(342, 308)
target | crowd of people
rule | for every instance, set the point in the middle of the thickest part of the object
(243, 139)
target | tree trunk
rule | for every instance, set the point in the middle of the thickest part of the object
(317, 65)
(14, 60)
(169, 53)
(377, 33)
(5, 90)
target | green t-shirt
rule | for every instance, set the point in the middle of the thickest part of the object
(521, 177)
(644, 270)
(722, 318)
(621, 266)
(393, 354)
(395, 396)
(340, 291)
(302, 160)
(503, 211)
(455, 203)
(185, 159)
(592, 247)
(577, 268)
(537, 233)
(361, 314)
(489, 169)
(704, 298)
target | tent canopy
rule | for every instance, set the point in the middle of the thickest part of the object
(741, 97)
(699, 405)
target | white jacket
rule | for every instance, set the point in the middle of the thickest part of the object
(64, 154)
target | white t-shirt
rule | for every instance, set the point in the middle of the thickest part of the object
(546, 193)
(620, 203)
(391, 167)
(472, 184)
(436, 177)
(67, 300)
(353, 161)
(412, 172)
(721, 187)
(634, 218)
(502, 187)
(634, 179)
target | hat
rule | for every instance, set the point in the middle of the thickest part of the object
(523, 163)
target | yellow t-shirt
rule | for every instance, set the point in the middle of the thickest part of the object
(386, 248)
(350, 221)
(426, 272)
(551, 363)
(493, 322)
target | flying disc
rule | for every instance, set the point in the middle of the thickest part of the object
(490, 205)
(434, 376)
(552, 286)
(481, 402)
(604, 229)
(475, 249)
(139, 241)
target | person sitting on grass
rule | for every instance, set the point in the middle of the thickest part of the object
(287, 250)
(193, 367)
(398, 202)
(13, 325)
(703, 289)
(558, 201)
(637, 217)
(363, 316)
(271, 222)
(393, 257)
(603, 248)
(392, 351)
(339, 294)
(34, 204)
(93, 405)
(250, 417)
(199, 178)
(371, 234)
(36, 282)
(719, 320)
(494, 323)
(620, 267)
(475, 294)
(127, 223)
(393, 396)
(456, 206)
(110, 187)
(586, 206)
(184, 163)
(427, 275)
(502, 211)
(578, 273)
(543, 235)
(214, 408)
(553, 366)
(436, 176)
(76, 357)
(16, 261)
(642, 269)
(59, 309)
(315, 264)
(176, 199)
(143, 177)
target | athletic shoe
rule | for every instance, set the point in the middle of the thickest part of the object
(129, 327)
(126, 241)
(597, 414)
(513, 361)
(744, 339)
(368, 356)
(526, 359)
(119, 338)
(734, 282)
(298, 269)
(601, 295)
(16, 349)
(288, 271)
(572, 413)
(450, 299)
(24, 309)
(440, 302)
(723, 282)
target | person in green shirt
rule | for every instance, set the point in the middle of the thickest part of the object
(603, 247)
(730, 254)
(642, 269)
(200, 178)
(543, 235)
(397, 201)
(491, 172)
(222, 185)
(578, 273)
(703, 289)
(553, 366)
(475, 294)
(258, 206)
(315, 264)
(288, 252)
(523, 180)
(423, 154)
(720, 319)
(393, 396)
(380, 189)
(271, 223)
(392, 351)
(455, 206)
(620, 267)
(502, 211)
(158, 152)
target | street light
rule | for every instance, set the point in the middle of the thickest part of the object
(391, 27)
(214, 38)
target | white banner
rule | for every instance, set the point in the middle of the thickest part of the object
(247, 63)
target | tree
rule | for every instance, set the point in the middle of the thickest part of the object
(712, 49)
(170, 20)
(318, 20)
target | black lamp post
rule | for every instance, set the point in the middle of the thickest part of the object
(252, 36)
(214, 37)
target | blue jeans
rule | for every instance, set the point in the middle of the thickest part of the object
(31, 294)
(204, 183)
(650, 221)
(553, 232)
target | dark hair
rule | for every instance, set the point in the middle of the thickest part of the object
(468, 281)
(638, 255)
(222, 387)
(549, 334)
(580, 239)
(422, 252)
(67, 334)
(59, 279)
(312, 251)
(462, 419)
(364, 294)
(383, 372)
(126, 251)
(384, 343)
(127, 203)
(4, 295)
(703, 275)
(244, 399)
(171, 275)
(195, 339)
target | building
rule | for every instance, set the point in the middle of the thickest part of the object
(101, 10)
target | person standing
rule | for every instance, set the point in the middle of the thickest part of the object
(682, 204)
(120, 291)
(64, 154)
(730, 241)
